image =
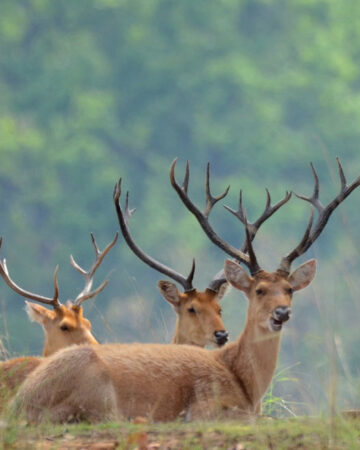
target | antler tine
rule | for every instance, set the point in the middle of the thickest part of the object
(286, 261)
(54, 301)
(267, 213)
(314, 199)
(96, 248)
(92, 294)
(190, 277)
(203, 219)
(324, 212)
(89, 275)
(341, 175)
(128, 212)
(254, 266)
(101, 255)
(240, 211)
(210, 200)
(345, 191)
(185, 282)
(185, 184)
(270, 209)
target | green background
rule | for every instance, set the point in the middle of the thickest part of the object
(91, 90)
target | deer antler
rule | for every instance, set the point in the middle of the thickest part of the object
(325, 212)
(251, 228)
(123, 222)
(86, 293)
(267, 213)
(202, 217)
(54, 301)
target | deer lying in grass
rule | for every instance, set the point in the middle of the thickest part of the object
(63, 326)
(159, 381)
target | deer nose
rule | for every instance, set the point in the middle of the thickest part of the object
(221, 337)
(282, 313)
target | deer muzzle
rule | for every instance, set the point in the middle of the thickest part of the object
(221, 337)
(280, 315)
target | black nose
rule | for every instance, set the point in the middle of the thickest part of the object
(221, 337)
(282, 313)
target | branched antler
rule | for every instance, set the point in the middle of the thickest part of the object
(267, 213)
(86, 293)
(312, 233)
(202, 217)
(123, 218)
(246, 254)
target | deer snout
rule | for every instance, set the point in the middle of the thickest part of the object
(221, 337)
(282, 313)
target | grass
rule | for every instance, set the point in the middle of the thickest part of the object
(278, 428)
(306, 433)
(272, 404)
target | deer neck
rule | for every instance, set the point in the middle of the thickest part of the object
(253, 359)
(52, 345)
(178, 338)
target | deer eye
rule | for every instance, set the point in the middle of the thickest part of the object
(259, 291)
(220, 312)
(290, 290)
(64, 328)
(191, 310)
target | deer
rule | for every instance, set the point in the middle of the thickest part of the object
(64, 325)
(198, 312)
(115, 381)
(199, 319)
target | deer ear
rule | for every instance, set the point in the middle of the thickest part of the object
(170, 292)
(303, 275)
(38, 313)
(237, 276)
(223, 290)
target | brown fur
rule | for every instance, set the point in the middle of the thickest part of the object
(14, 371)
(69, 316)
(160, 381)
(199, 327)
(193, 329)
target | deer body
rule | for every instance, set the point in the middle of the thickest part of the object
(14, 371)
(63, 326)
(160, 381)
(151, 380)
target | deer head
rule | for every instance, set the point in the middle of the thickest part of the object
(199, 313)
(269, 293)
(64, 325)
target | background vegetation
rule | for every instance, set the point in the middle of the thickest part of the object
(92, 90)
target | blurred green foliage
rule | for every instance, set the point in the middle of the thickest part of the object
(92, 90)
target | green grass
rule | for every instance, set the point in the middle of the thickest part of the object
(307, 433)
(271, 431)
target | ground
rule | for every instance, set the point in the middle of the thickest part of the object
(266, 433)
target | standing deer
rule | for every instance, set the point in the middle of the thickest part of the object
(63, 326)
(159, 381)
